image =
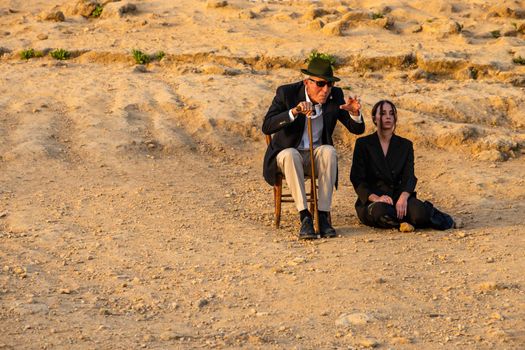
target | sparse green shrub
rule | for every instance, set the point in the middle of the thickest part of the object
(97, 11)
(160, 55)
(473, 72)
(30, 53)
(140, 57)
(60, 54)
(519, 60)
(144, 58)
(495, 34)
(376, 15)
(326, 56)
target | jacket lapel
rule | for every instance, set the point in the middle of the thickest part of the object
(381, 159)
(301, 96)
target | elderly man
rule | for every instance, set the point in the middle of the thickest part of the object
(317, 98)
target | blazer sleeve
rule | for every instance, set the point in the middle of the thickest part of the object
(277, 116)
(408, 178)
(358, 173)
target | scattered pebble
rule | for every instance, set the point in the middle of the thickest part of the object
(497, 316)
(368, 342)
(406, 227)
(216, 3)
(202, 303)
(353, 319)
(489, 286)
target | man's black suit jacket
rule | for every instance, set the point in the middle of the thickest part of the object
(372, 172)
(288, 134)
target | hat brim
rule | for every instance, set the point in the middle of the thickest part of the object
(327, 78)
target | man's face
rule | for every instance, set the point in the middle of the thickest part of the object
(318, 94)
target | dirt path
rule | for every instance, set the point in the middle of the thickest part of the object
(178, 251)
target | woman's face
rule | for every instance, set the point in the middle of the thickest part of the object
(385, 120)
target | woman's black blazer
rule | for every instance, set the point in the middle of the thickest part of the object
(372, 172)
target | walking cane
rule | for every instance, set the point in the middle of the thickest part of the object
(312, 164)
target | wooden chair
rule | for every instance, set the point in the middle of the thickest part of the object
(280, 197)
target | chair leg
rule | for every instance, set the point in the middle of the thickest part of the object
(277, 192)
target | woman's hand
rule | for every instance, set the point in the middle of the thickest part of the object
(401, 205)
(384, 199)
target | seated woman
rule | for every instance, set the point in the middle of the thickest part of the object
(383, 177)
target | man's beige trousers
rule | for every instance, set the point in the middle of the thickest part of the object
(294, 164)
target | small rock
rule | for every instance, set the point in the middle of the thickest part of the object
(83, 7)
(416, 28)
(368, 342)
(492, 155)
(313, 13)
(64, 291)
(461, 234)
(458, 223)
(352, 319)
(148, 338)
(406, 227)
(56, 16)
(42, 36)
(166, 336)
(104, 312)
(4, 50)
(202, 303)
(316, 24)
(216, 3)
(385, 22)
(117, 10)
(497, 316)
(247, 14)
(419, 74)
(497, 333)
(19, 271)
(333, 28)
(488, 286)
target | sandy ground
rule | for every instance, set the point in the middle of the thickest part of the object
(133, 213)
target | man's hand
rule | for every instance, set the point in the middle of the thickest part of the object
(304, 107)
(401, 205)
(384, 199)
(352, 106)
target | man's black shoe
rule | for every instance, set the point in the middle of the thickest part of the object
(307, 229)
(327, 231)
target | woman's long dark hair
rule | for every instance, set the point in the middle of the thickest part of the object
(379, 105)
